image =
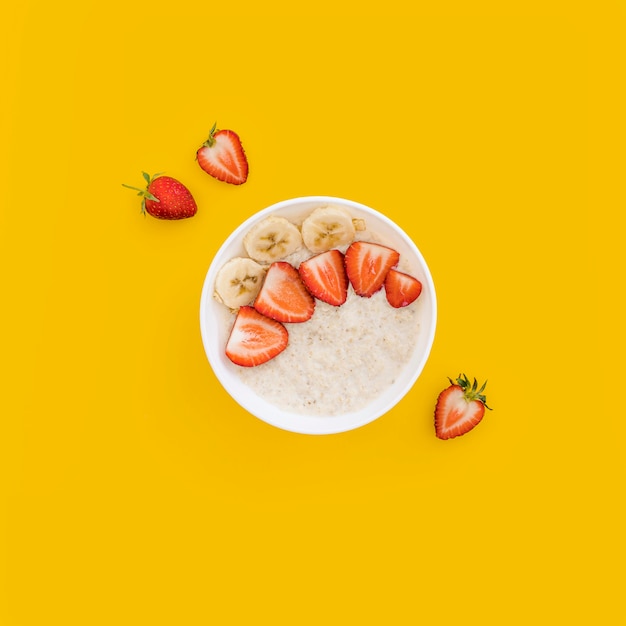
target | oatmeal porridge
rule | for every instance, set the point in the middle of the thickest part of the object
(343, 357)
(340, 359)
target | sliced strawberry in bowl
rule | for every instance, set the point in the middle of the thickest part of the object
(283, 296)
(255, 339)
(325, 277)
(367, 265)
(401, 289)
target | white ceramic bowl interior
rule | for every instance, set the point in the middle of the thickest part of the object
(215, 321)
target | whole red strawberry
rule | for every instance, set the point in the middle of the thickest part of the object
(459, 408)
(165, 198)
(222, 156)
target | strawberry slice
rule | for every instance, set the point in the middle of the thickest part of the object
(325, 277)
(283, 296)
(367, 265)
(222, 156)
(401, 289)
(460, 407)
(254, 338)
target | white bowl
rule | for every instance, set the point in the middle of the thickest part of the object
(215, 322)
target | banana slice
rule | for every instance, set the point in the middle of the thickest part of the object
(238, 282)
(329, 227)
(272, 239)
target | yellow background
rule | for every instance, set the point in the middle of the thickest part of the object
(135, 491)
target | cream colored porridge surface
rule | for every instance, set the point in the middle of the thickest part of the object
(339, 360)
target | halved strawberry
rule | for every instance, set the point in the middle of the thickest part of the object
(254, 338)
(325, 277)
(459, 408)
(283, 296)
(401, 289)
(222, 156)
(367, 265)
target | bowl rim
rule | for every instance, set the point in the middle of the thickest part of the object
(294, 422)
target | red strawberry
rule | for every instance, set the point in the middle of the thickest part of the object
(283, 296)
(459, 408)
(254, 338)
(165, 198)
(222, 156)
(325, 277)
(367, 265)
(401, 289)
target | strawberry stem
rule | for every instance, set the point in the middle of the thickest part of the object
(144, 193)
(211, 140)
(471, 390)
